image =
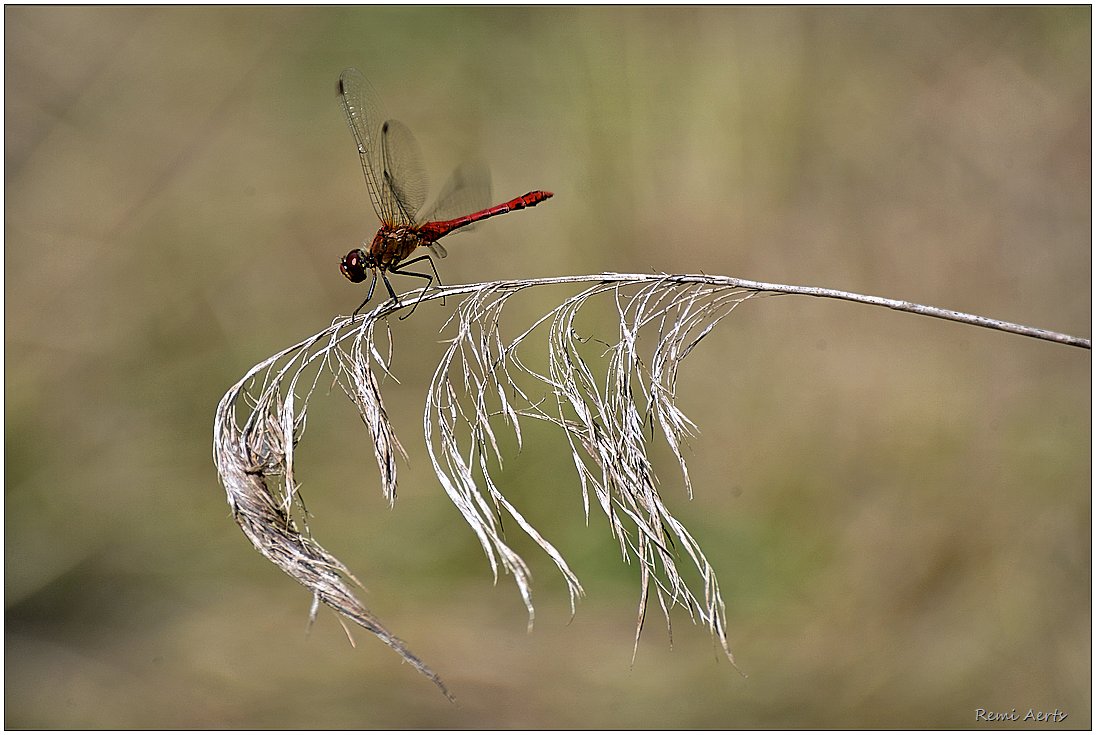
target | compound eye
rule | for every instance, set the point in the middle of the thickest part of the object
(354, 266)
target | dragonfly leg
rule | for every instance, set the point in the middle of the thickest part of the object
(430, 279)
(388, 285)
(399, 268)
(368, 295)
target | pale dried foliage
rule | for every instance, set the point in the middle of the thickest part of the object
(485, 384)
(255, 462)
(482, 379)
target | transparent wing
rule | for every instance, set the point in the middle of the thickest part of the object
(404, 192)
(467, 190)
(389, 155)
(361, 105)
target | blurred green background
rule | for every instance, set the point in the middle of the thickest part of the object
(898, 507)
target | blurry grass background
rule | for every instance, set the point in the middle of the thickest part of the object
(898, 507)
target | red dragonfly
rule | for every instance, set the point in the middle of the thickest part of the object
(397, 185)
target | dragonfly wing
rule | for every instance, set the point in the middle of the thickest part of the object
(361, 105)
(404, 176)
(467, 190)
(437, 249)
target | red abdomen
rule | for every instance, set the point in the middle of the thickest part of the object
(433, 230)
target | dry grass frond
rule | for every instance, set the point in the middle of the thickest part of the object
(480, 378)
(255, 462)
(481, 385)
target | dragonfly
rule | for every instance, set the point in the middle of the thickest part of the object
(396, 179)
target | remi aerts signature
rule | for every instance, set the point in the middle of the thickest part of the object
(1014, 715)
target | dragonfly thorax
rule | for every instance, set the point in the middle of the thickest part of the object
(393, 244)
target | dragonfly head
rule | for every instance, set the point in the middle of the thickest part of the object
(356, 264)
